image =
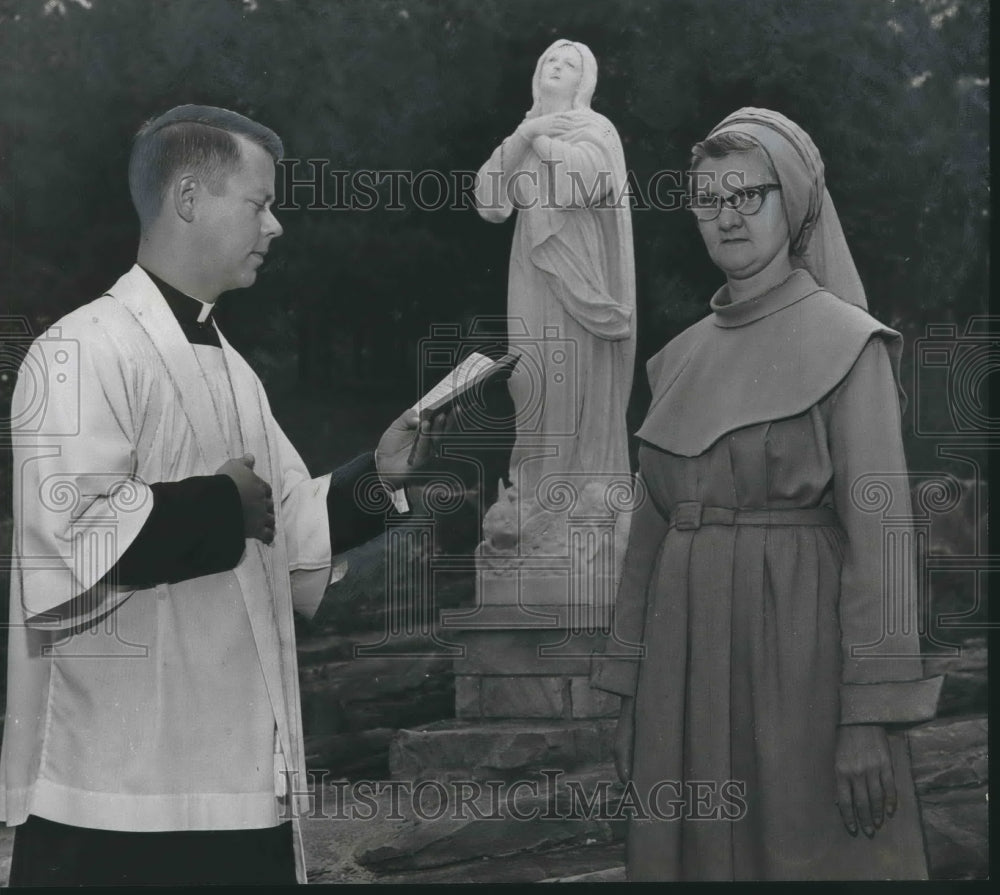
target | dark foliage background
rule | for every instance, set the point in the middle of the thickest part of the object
(894, 92)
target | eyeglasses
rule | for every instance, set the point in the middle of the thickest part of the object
(747, 201)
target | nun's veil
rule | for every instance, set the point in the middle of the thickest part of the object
(817, 239)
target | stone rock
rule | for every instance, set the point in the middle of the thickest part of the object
(527, 696)
(525, 652)
(610, 875)
(375, 691)
(534, 823)
(351, 755)
(373, 676)
(316, 650)
(949, 753)
(6, 849)
(358, 601)
(955, 830)
(587, 702)
(950, 770)
(342, 828)
(498, 750)
(958, 532)
(527, 867)
(467, 696)
(591, 792)
(448, 842)
(965, 678)
(402, 710)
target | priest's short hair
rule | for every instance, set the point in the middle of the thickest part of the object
(201, 139)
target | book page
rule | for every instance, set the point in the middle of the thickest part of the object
(468, 369)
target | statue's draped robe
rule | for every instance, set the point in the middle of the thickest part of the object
(571, 301)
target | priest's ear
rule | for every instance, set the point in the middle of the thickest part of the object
(184, 195)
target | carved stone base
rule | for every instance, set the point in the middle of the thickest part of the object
(526, 647)
(509, 750)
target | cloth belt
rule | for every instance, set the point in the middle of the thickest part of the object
(690, 515)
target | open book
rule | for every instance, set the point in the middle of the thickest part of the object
(472, 373)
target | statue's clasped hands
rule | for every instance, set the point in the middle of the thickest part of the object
(554, 125)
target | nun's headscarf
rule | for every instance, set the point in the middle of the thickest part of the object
(817, 240)
(588, 79)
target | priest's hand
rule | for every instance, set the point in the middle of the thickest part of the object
(408, 445)
(255, 497)
(866, 786)
(625, 739)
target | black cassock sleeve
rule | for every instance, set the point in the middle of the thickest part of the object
(194, 529)
(196, 526)
(352, 523)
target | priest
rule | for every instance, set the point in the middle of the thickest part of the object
(165, 531)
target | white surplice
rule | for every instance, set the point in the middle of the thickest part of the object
(179, 709)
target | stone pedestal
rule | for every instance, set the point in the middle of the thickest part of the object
(526, 719)
(528, 663)
(523, 701)
(526, 648)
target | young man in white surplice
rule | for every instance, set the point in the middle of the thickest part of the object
(153, 718)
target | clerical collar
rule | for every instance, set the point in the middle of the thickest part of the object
(193, 315)
(792, 289)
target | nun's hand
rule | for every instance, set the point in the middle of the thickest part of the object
(866, 785)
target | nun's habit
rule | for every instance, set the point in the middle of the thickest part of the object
(756, 576)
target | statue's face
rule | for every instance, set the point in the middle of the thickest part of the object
(562, 71)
